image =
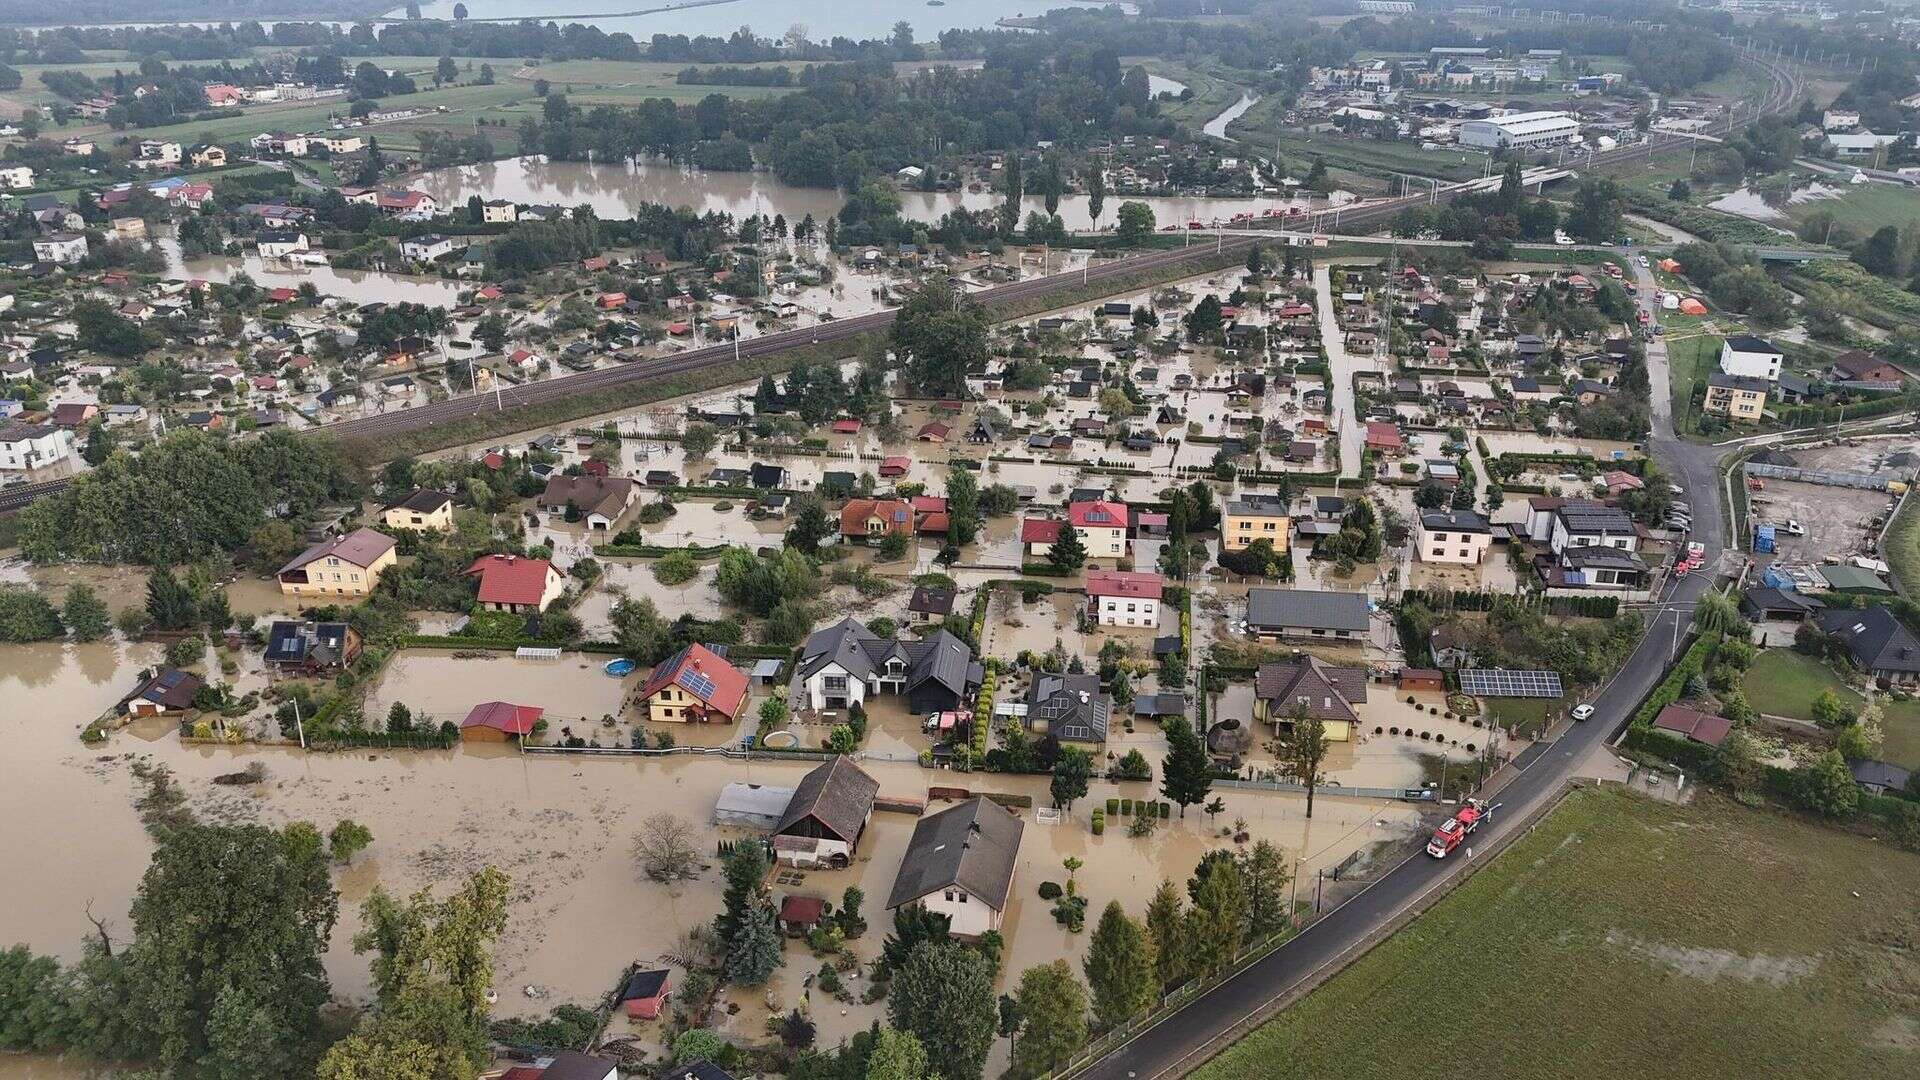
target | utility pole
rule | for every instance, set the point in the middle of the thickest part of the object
(298, 725)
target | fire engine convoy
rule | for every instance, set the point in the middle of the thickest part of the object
(1458, 827)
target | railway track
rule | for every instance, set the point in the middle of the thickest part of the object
(1783, 88)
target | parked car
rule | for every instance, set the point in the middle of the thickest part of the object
(1794, 528)
(1582, 711)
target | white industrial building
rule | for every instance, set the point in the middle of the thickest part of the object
(1528, 129)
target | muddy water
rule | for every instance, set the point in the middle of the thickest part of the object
(440, 686)
(358, 286)
(619, 191)
(561, 827)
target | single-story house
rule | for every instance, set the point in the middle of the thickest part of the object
(499, 721)
(1694, 725)
(823, 821)
(516, 583)
(1307, 613)
(310, 647)
(166, 691)
(645, 994)
(960, 864)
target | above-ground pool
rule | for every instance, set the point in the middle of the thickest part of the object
(617, 668)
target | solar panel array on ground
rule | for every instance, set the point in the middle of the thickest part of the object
(1505, 682)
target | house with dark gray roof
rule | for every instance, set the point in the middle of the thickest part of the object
(1306, 613)
(1071, 708)
(846, 662)
(823, 821)
(1878, 777)
(1877, 642)
(960, 864)
(1285, 690)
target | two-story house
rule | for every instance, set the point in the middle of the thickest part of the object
(1461, 537)
(347, 565)
(1252, 517)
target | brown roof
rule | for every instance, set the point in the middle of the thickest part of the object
(603, 495)
(838, 795)
(1328, 692)
(1694, 724)
(359, 547)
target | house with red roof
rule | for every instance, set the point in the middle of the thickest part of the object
(1693, 725)
(895, 465)
(872, 520)
(845, 426)
(695, 685)
(1102, 525)
(1123, 598)
(486, 293)
(405, 202)
(516, 583)
(499, 721)
(281, 295)
(1038, 534)
(1384, 438)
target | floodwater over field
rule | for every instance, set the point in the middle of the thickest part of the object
(618, 191)
(860, 20)
(561, 827)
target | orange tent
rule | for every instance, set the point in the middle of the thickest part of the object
(1669, 266)
(1690, 306)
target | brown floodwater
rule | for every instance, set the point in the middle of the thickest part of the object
(620, 191)
(561, 827)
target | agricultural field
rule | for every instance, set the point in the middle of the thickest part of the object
(1707, 941)
(464, 104)
(1784, 683)
(1863, 208)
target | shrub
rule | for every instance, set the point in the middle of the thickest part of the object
(1099, 821)
(1113, 807)
(1050, 890)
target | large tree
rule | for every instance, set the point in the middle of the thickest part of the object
(963, 507)
(1053, 1005)
(943, 996)
(432, 968)
(1218, 920)
(1166, 925)
(1071, 771)
(1186, 776)
(1264, 874)
(1120, 968)
(224, 977)
(939, 334)
(1302, 751)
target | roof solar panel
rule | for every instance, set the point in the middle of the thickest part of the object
(1505, 682)
(696, 683)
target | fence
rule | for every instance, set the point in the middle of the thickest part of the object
(1863, 481)
(1407, 794)
(735, 752)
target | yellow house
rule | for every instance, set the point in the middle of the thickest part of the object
(693, 686)
(1285, 689)
(420, 511)
(347, 565)
(1742, 397)
(1254, 517)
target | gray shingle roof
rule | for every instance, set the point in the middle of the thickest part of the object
(1307, 609)
(1074, 707)
(974, 845)
(1874, 637)
(838, 795)
(1327, 692)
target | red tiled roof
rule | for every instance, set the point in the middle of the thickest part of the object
(281, 295)
(1100, 514)
(854, 516)
(704, 675)
(510, 579)
(805, 910)
(846, 427)
(1380, 433)
(928, 504)
(895, 464)
(504, 716)
(1124, 583)
(1693, 724)
(1039, 531)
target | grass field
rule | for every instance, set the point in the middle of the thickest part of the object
(1784, 683)
(1901, 744)
(465, 103)
(1629, 938)
(1526, 716)
(1866, 207)
(1689, 361)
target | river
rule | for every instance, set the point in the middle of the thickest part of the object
(617, 191)
(1217, 127)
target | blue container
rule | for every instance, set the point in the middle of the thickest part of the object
(1763, 539)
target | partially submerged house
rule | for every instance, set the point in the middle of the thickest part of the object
(846, 662)
(310, 647)
(695, 685)
(960, 864)
(499, 721)
(516, 583)
(168, 691)
(1071, 708)
(347, 565)
(824, 819)
(1285, 690)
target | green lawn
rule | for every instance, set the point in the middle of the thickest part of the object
(1629, 938)
(1865, 207)
(1690, 359)
(1901, 744)
(1526, 716)
(1784, 683)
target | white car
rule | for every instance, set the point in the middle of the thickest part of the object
(1582, 711)
(1644, 264)
(1794, 528)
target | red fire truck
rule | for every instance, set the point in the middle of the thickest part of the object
(1457, 828)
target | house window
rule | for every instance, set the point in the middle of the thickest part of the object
(836, 684)
(1437, 552)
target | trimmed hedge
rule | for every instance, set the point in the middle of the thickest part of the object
(1692, 663)
(656, 551)
(1044, 569)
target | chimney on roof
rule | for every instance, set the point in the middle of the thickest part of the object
(1083, 697)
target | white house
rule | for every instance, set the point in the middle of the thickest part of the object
(279, 142)
(960, 864)
(1102, 526)
(1121, 598)
(17, 177)
(1839, 120)
(846, 663)
(1461, 538)
(1862, 144)
(25, 447)
(428, 248)
(336, 143)
(60, 248)
(499, 212)
(1590, 524)
(160, 152)
(1756, 358)
(279, 245)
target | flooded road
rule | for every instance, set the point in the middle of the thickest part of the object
(1217, 127)
(357, 286)
(618, 191)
